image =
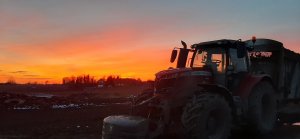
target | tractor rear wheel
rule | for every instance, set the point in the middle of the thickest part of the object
(207, 116)
(262, 108)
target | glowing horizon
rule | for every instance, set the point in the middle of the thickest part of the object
(48, 40)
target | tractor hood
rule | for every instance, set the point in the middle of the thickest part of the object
(172, 72)
(167, 79)
(180, 72)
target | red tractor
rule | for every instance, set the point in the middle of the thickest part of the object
(215, 85)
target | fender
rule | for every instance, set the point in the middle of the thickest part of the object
(248, 83)
(223, 91)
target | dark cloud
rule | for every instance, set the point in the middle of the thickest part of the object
(19, 71)
(31, 75)
(39, 78)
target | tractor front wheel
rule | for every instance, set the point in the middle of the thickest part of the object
(207, 116)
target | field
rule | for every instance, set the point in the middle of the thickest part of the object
(53, 111)
(60, 123)
(81, 116)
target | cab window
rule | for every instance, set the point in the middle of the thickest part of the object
(211, 57)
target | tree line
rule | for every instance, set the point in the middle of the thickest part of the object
(91, 81)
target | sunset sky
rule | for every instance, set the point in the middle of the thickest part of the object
(43, 40)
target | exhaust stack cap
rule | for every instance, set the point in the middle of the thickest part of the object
(184, 45)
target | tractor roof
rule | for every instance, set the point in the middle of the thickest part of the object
(216, 43)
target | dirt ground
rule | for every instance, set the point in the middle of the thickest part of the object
(57, 123)
(87, 124)
(283, 132)
(52, 121)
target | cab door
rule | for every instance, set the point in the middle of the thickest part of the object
(236, 70)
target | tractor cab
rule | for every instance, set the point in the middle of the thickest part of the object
(222, 58)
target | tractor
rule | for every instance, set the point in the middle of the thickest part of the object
(215, 86)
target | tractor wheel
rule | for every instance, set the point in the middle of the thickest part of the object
(207, 116)
(262, 108)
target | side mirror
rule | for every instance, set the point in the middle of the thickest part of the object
(173, 56)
